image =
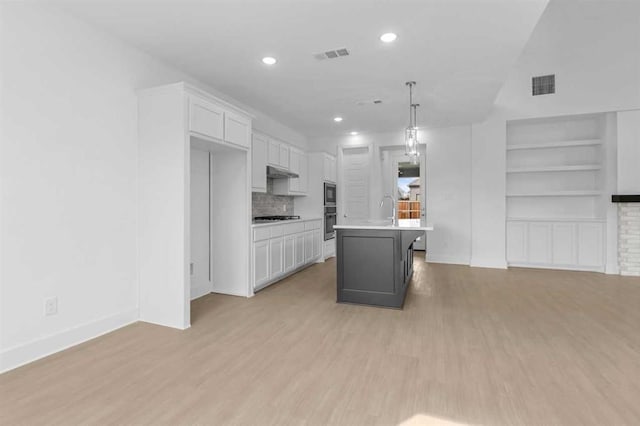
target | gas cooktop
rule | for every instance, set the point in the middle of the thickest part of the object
(274, 218)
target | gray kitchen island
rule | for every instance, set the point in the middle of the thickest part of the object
(375, 262)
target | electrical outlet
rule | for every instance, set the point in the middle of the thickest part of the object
(284, 207)
(50, 306)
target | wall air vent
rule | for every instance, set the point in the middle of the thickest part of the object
(331, 54)
(543, 85)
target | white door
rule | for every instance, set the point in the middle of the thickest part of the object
(409, 184)
(289, 253)
(276, 265)
(355, 185)
(299, 250)
(200, 224)
(260, 263)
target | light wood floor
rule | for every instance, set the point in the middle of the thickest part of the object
(472, 346)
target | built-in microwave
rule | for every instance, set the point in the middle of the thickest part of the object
(329, 194)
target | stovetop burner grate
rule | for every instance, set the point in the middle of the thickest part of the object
(274, 218)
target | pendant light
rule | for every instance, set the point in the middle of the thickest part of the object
(411, 132)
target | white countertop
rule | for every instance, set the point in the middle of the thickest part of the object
(384, 225)
(283, 222)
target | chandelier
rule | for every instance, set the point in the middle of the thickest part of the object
(411, 132)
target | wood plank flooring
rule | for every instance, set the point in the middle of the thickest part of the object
(472, 346)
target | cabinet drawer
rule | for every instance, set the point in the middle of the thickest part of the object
(237, 130)
(260, 234)
(312, 224)
(205, 118)
(293, 228)
(277, 231)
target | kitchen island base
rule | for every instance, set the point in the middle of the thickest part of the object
(374, 266)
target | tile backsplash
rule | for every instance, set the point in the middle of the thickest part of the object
(268, 204)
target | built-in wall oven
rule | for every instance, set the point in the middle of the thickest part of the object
(329, 194)
(330, 215)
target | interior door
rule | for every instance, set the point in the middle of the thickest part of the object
(409, 184)
(200, 223)
(355, 183)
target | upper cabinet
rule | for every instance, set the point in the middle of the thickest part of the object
(217, 120)
(278, 154)
(294, 186)
(329, 168)
(206, 118)
(259, 153)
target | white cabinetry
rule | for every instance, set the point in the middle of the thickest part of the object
(278, 154)
(293, 186)
(213, 120)
(555, 192)
(260, 262)
(259, 163)
(329, 168)
(281, 249)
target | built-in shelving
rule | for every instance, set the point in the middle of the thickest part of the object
(559, 144)
(576, 168)
(554, 192)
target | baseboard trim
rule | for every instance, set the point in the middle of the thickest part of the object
(26, 353)
(488, 263)
(450, 260)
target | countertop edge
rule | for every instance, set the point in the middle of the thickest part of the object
(386, 227)
(284, 222)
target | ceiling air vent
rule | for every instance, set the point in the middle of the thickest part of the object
(543, 85)
(331, 54)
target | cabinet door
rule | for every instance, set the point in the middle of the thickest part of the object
(516, 242)
(326, 168)
(294, 166)
(276, 253)
(260, 263)
(317, 243)
(590, 245)
(205, 118)
(289, 253)
(274, 153)
(564, 244)
(299, 249)
(333, 175)
(284, 156)
(308, 246)
(539, 243)
(259, 164)
(303, 173)
(237, 129)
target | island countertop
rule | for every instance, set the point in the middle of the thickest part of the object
(383, 225)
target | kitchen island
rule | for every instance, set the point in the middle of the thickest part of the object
(375, 262)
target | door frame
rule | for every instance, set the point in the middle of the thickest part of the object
(340, 178)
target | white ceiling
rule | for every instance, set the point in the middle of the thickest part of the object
(458, 51)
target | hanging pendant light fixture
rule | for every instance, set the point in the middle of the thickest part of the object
(411, 132)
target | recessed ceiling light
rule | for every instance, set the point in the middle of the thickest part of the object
(337, 119)
(353, 133)
(269, 60)
(388, 37)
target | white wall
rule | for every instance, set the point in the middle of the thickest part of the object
(628, 135)
(68, 165)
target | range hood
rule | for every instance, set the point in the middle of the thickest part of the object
(278, 173)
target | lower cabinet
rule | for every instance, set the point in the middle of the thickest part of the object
(277, 257)
(574, 245)
(260, 263)
(289, 253)
(281, 249)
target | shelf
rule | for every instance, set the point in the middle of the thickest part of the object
(555, 219)
(557, 194)
(577, 168)
(559, 144)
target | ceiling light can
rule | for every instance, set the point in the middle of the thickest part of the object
(388, 37)
(269, 60)
(337, 119)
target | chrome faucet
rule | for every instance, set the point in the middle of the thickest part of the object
(393, 208)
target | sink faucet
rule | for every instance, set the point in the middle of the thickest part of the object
(393, 208)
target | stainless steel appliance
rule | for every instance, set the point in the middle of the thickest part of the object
(278, 173)
(330, 195)
(330, 215)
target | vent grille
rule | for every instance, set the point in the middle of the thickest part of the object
(543, 85)
(331, 54)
